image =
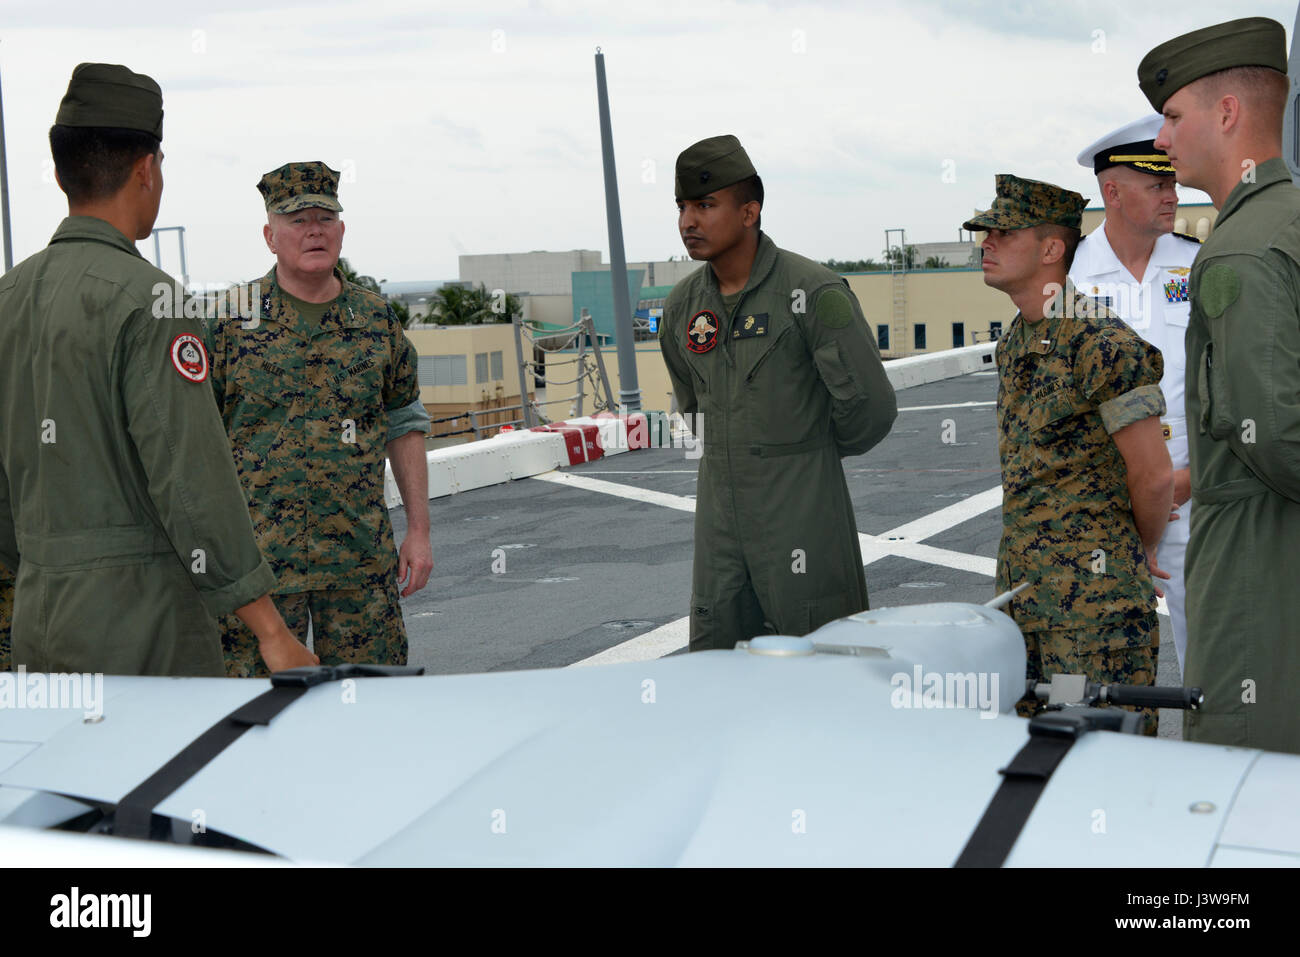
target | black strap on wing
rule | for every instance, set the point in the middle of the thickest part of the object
(135, 810)
(1051, 735)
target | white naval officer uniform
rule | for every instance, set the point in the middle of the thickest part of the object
(1157, 309)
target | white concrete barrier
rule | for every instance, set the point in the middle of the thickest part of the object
(520, 454)
(505, 456)
(918, 370)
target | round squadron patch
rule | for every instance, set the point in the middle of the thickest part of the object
(702, 332)
(189, 357)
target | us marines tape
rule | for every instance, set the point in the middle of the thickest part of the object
(189, 358)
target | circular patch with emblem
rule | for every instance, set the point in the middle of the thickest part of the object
(702, 332)
(189, 358)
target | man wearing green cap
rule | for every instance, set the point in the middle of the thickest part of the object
(771, 359)
(315, 384)
(1086, 481)
(1222, 91)
(119, 507)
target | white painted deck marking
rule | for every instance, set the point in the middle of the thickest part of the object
(903, 541)
(930, 525)
(667, 500)
(954, 405)
(656, 643)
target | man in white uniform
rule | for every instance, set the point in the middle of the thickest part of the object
(1135, 264)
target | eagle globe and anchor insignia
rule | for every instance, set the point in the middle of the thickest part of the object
(702, 333)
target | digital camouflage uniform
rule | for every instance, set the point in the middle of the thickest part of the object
(309, 418)
(119, 509)
(1066, 384)
(787, 382)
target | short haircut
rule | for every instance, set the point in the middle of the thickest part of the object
(1261, 90)
(1065, 234)
(750, 190)
(94, 162)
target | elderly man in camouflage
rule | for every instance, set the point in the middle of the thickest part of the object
(1086, 478)
(315, 383)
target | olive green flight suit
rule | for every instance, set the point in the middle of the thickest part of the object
(785, 384)
(121, 510)
(1243, 423)
(6, 614)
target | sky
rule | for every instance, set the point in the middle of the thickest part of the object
(470, 128)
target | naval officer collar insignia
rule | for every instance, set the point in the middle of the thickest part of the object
(702, 331)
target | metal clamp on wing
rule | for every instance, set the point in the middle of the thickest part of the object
(1070, 699)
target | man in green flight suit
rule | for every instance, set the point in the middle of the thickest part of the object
(1087, 484)
(316, 385)
(6, 614)
(1222, 91)
(119, 507)
(772, 362)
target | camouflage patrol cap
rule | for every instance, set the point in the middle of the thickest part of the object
(109, 95)
(709, 165)
(1027, 202)
(1253, 41)
(296, 186)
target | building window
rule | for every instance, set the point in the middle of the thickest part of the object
(995, 330)
(958, 334)
(918, 336)
(882, 337)
(442, 370)
(481, 368)
(498, 371)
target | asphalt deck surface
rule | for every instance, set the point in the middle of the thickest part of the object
(587, 570)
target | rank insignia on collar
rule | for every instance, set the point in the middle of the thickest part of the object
(702, 333)
(750, 327)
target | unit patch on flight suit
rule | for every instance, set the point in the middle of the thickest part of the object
(702, 333)
(189, 358)
(750, 326)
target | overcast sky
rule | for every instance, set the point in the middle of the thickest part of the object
(472, 127)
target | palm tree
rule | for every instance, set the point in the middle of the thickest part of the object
(458, 306)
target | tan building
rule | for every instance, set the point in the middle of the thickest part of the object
(468, 368)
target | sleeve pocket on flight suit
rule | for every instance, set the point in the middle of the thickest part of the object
(1216, 404)
(840, 382)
